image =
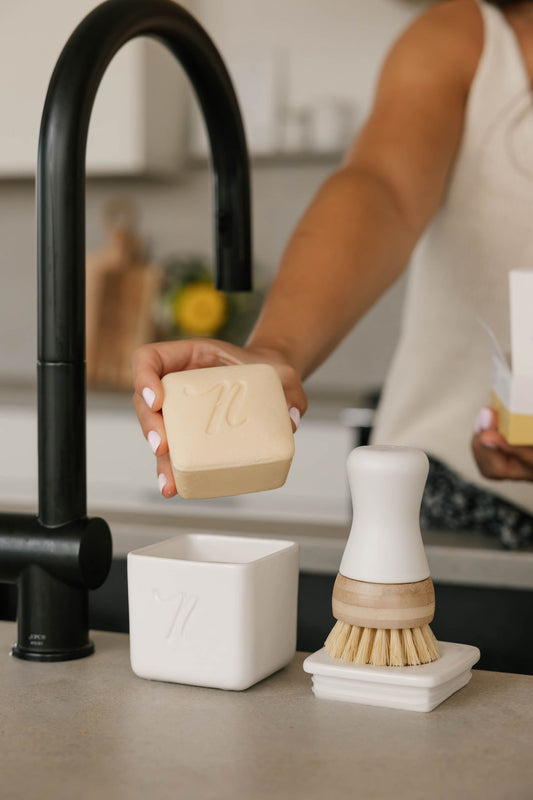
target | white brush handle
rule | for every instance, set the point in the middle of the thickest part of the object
(385, 543)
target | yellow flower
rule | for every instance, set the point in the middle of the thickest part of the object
(200, 310)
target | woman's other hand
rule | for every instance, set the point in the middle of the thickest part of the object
(151, 362)
(495, 457)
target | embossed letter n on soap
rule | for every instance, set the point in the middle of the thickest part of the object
(228, 430)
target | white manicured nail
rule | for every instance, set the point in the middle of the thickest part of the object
(294, 414)
(490, 445)
(149, 396)
(161, 481)
(154, 440)
(483, 420)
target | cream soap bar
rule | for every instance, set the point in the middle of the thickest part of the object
(228, 430)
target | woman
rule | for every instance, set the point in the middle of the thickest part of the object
(431, 167)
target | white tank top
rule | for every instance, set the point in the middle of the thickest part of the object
(440, 374)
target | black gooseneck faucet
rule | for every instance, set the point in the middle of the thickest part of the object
(58, 555)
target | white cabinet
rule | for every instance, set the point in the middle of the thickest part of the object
(137, 125)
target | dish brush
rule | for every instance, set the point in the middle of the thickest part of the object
(383, 598)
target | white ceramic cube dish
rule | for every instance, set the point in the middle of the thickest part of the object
(420, 688)
(212, 610)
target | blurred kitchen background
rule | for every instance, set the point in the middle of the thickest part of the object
(304, 71)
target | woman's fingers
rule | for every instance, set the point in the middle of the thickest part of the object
(295, 416)
(521, 454)
(154, 432)
(296, 403)
(495, 457)
(294, 392)
(147, 374)
(152, 426)
(151, 362)
(497, 463)
(165, 477)
(486, 420)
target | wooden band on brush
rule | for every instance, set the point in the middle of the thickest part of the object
(383, 605)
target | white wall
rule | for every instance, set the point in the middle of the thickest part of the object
(339, 43)
(332, 47)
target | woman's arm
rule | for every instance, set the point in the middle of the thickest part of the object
(358, 233)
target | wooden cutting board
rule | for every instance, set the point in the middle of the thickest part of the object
(122, 288)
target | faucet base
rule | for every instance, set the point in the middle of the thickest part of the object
(61, 655)
(53, 618)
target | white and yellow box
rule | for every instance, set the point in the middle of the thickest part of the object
(512, 378)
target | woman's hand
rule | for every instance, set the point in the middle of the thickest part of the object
(495, 457)
(153, 361)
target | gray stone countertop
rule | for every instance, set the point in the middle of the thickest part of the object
(91, 729)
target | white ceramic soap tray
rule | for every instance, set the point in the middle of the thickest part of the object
(411, 688)
(213, 610)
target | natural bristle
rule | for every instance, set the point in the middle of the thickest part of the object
(366, 642)
(336, 642)
(383, 648)
(411, 653)
(380, 649)
(352, 644)
(397, 652)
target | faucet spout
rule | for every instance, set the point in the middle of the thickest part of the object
(61, 299)
(61, 216)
